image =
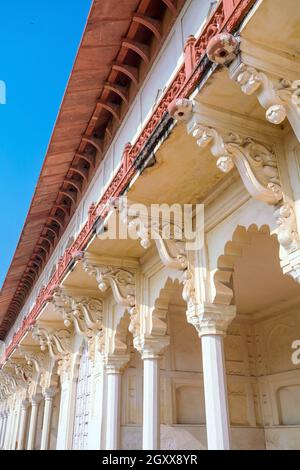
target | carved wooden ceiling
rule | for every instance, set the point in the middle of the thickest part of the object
(118, 46)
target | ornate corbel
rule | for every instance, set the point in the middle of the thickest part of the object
(257, 166)
(85, 313)
(255, 162)
(58, 342)
(36, 359)
(9, 380)
(280, 97)
(121, 281)
(168, 235)
(23, 371)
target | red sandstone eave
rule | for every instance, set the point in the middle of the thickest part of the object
(100, 47)
(227, 16)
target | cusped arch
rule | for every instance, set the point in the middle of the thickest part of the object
(158, 318)
(233, 250)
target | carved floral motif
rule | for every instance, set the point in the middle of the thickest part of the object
(58, 342)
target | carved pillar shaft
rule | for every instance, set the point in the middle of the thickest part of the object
(1, 427)
(215, 390)
(114, 383)
(211, 322)
(35, 404)
(151, 349)
(23, 424)
(14, 428)
(8, 428)
(151, 403)
(3, 434)
(45, 440)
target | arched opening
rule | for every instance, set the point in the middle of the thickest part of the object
(263, 383)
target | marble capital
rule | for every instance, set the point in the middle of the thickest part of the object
(36, 399)
(152, 347)
(49, 393)
(116, 363)
(211, 319)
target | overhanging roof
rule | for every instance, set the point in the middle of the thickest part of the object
(89, 109)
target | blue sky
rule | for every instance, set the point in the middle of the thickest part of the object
(38, 45)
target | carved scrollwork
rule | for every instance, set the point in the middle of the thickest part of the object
(38, 360)
(58, 342)
(9, 382)
(85, 313)
(256, 164)
(23, 371)
(188, 291)
(280, 98)
(254, 161)
(122, 282)
(64, 367)
(167, 234)
(289, 240)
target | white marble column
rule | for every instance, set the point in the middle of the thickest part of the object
(114, 370)
(12, 428)
(35, 404)
(49, 395)
(66, 414)
(97, 415)
(212, 324)
(16, 427)
(151, 350)
(23, 424)
(1, 426)
(3, 434)
(8, 428)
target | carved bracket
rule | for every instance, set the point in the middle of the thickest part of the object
(254, 161)
(23, 371)
(58, 342)
(85, 313)
(167, 234)
(280, 98)
(257, 166)
(121, 281)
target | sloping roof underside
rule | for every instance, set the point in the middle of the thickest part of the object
(100, 47)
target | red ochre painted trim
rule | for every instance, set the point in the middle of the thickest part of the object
(227, 16)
